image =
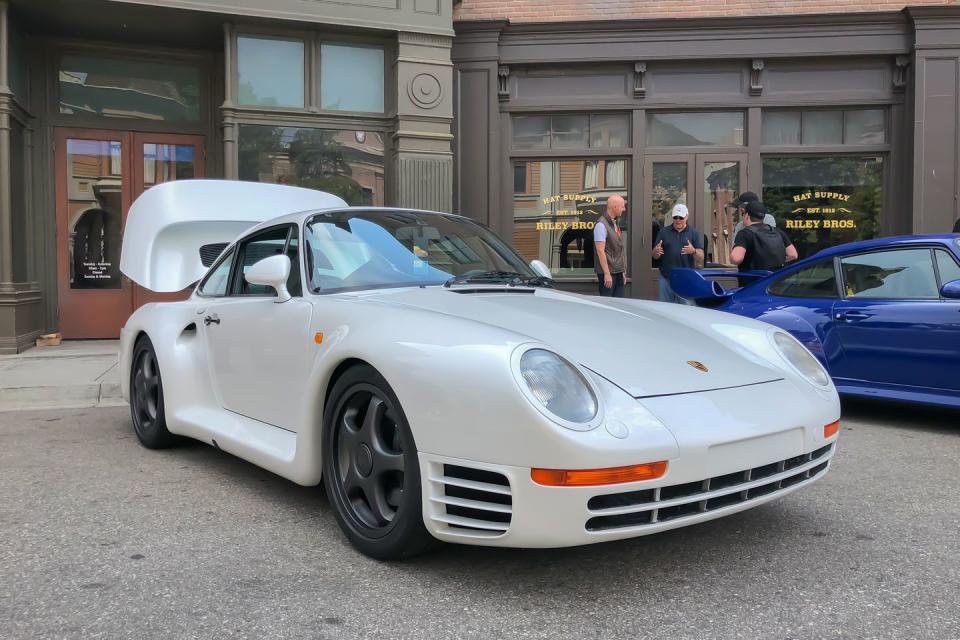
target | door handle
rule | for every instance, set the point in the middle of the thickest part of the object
(209, 320)
(852, 315)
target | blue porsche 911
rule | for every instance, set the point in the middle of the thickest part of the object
(882, 315)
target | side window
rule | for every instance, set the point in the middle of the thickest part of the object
(263, 245)
(816, 281)
(949, 271)
(217, 280)
(905, 274)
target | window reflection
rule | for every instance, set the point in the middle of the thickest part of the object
(118, 88)
(561, 201)
(345, 163)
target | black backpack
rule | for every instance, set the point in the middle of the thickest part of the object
(769, 252)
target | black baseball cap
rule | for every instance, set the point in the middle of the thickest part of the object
(755, 209)
(745, 197)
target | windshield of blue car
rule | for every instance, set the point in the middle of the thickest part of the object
(358, 249)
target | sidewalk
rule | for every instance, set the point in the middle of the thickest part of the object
(77, 373)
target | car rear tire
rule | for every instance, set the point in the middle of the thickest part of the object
(370, 467)
(146, 398)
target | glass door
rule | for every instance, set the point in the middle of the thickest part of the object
(719, 178)
(98, 175)
(93, 193)
(666, 183)
(162, 158)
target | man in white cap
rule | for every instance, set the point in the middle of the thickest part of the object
(677, 245)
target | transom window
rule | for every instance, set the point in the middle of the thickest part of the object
(574, 131)
(833, 127)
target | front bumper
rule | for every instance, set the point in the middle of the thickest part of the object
(495, 505)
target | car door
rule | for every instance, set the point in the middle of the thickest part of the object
(259, 350)
(892, 325)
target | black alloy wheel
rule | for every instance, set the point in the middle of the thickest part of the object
(371, 470)
(146, 398)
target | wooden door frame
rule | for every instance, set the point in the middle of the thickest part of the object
(62, 194)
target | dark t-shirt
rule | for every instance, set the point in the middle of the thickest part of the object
(747, 239)
(673, 241)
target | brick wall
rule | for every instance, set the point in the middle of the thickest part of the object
(568, 10)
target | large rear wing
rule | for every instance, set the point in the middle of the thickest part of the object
(701, 286)
(172, 227)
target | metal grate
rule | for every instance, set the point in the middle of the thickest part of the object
(474, 501)
(210, 252)
(662, 504)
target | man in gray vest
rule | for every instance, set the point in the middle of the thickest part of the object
(611, 255)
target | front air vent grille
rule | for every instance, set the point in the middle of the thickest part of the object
(210, 252)
(662, 504)
(472, 501)
(493, 290)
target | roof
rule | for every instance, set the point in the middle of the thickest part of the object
(895, 241)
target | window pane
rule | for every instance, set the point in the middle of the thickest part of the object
(822, 127)
(570, 132)
(781, 127)
(95, 188)
(609, 131)
(865, 126)
(270, 71)
(949, 271)
(345, 163)
(554, 219)
(263, 245)
(824, 201)
(216, 284)
(519, 178)
(721, 184)
(815, 281)
(351, 77)
(904, 274)
(531, 132)
(116, 88)
(696, 129)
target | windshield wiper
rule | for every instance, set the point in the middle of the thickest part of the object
(511, 278)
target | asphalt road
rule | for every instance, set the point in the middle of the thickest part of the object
(100, 538)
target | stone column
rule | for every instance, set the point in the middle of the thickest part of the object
(228, 111)
(6, 207)
(421, 159)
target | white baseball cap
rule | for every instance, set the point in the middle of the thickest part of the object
(679, 211)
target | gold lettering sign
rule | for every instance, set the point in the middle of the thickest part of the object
(569, 197)
(832, 209)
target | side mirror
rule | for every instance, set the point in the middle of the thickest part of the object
(951, 290)
(541, 269)
(272, 272)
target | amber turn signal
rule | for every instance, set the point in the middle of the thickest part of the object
(831, 429)
(318, 337)
(596, 477)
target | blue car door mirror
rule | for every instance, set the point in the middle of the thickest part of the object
(951, 290)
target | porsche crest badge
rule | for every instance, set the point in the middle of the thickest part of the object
(699, 366)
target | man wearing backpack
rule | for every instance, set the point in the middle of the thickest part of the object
(759, 246)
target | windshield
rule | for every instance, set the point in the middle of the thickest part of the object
(357, 249)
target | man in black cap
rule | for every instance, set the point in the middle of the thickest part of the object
(741, 202)
(759, 246)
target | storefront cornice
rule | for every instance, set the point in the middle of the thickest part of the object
(766, 37)
(298, 118)
(936, 27)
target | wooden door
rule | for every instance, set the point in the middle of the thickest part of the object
(157, 158)
(93, 192)
(98, 175)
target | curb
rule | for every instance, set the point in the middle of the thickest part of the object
(77, 396)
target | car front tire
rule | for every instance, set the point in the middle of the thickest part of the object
(370, 467)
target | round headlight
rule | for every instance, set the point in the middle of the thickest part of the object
(801, 359)
(558, 386)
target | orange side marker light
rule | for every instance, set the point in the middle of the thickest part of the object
(598, 477)
(831, 429)
(318, 337)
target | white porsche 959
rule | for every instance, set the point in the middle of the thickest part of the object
(441, 387)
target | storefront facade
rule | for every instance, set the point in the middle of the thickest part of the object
(846, 126)
(102, 99)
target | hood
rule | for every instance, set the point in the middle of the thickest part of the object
(642, 347)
